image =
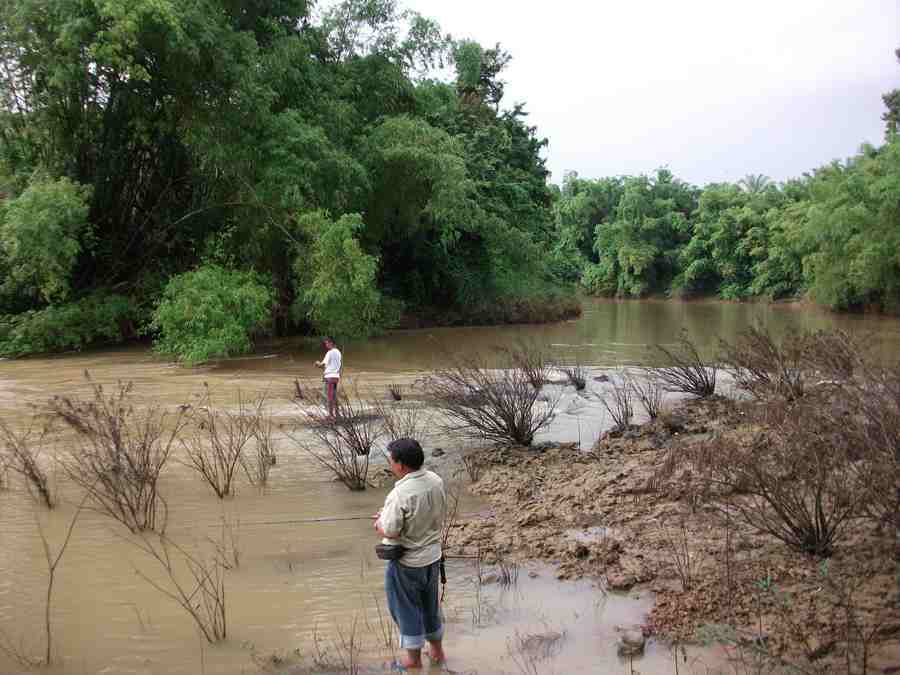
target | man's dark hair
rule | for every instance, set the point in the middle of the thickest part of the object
(330, 339)
(407, 452)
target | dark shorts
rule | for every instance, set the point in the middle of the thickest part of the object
(414, 602)
(329, 388)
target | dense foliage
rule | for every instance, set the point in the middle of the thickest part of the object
(833, 235)
(210, 312)
(308, 147)
(140, 140)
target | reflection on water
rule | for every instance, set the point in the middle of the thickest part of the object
(297, 579)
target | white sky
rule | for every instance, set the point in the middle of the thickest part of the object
(713, 89)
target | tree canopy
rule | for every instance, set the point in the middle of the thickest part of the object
(146, 139)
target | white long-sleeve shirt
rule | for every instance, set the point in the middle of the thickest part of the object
(413, 516)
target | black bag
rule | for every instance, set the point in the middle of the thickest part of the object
(389, 551)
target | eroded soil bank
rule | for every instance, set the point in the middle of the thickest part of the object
(628, 516)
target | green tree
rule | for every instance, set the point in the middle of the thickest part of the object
(43, 232)
(638, 248)
(582, 206)
(337, 279)
(730, 236)
(211, 312)
(851, 231)
(754, 182)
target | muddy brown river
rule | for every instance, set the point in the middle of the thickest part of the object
(316, 586)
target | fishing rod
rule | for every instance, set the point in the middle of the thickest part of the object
(322, 519)
(333, 519)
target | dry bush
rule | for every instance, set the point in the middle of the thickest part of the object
(451, 517)
(771, 369)
(794, 477)
(197, 585)
(472, 465)
(648, 390)
(122, 453)
(263, 458)
(675, 543)
(685, 370)
(215, 446)
(575, 373)
(872, 425)
(348, 438)
(835, 354)
(531, 357)
(395, 391)
(20, 654)
(767, 368)
(685, 469)
(22, 454)
(618, 404)
(498, 405)
(400, 421)
(228, 546)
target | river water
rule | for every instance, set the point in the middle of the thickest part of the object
(312, 586)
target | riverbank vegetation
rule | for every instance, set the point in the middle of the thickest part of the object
(205, 173)
(295, 166)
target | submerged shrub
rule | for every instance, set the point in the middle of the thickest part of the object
(342, 443)
(120, 452)
(494, 404)
(685, 370)
(531, 357)
(211, 312)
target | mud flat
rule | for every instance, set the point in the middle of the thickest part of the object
(629, 519)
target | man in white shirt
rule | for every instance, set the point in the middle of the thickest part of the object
(331, 365)
(413, 517)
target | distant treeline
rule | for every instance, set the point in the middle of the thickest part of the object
(832, 235)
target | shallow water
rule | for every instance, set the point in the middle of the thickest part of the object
(296, 580)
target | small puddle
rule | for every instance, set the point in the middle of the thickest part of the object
(538, 624)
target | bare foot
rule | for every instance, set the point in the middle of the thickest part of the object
(410, 661)
(436, 655)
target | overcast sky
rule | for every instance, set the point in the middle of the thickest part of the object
(713, 89)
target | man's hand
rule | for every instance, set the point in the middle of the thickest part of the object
(376, 523)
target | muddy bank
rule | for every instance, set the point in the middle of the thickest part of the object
(622, 516)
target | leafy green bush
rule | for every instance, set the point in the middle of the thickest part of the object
(97, 318)
(337, 284)
(42, 233)
(211, 312)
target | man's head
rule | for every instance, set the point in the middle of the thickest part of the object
(405, 456)
(328, 342)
